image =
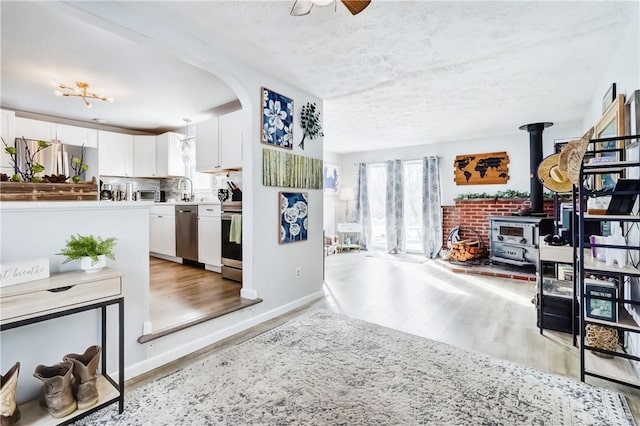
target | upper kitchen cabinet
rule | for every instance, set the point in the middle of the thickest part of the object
(207, 157)
(47, 131)
(34, 129)
(169, 154)
(72, 135)
(144, 156)
(231, 140)
(219, 143)
(7, 131)
(115, 154)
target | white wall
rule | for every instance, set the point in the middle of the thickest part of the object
(623, 69)
(40, 229)
(516, 145)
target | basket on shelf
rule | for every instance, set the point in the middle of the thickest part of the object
(602, 338)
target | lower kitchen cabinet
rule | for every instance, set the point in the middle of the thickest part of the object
(162, 226)
(209, 241)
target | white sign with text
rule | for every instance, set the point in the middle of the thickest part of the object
(21, 272)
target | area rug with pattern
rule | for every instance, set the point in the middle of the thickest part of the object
(327, 369)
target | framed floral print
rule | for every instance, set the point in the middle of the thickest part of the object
(293, 216)
(330, 178)
(277, 119)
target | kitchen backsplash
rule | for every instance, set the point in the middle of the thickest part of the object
(170, 185)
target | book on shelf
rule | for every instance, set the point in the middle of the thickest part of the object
(601, 300)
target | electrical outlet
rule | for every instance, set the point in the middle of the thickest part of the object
(298, 272)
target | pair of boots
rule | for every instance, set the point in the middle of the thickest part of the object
(9, 411)
(70, 384)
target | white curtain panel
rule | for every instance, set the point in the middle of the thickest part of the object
(394, 207)
(431, 207)
(362, 206)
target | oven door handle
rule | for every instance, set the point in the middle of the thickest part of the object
(227, 216)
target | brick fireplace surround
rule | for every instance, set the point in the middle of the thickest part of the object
(473, 214)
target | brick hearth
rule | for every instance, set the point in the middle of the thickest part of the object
(472, 215)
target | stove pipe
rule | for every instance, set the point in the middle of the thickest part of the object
(535, 158)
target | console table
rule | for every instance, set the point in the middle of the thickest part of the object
(60, 295)
(349, 235)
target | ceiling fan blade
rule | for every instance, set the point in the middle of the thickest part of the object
(301, 7)
(356, 6)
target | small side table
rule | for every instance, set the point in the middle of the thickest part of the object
(349, 235)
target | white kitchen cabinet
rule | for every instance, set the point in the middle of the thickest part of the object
(162, 230)
(34, 129)
(115, 154)
(73, 135)
(209, 238)
(169, 161)
(7, 131)
(219, 143)
(144, 156)
(47, 131)
(208, 151)
(231, 140)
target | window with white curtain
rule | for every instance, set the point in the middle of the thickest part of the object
(377, 183)
(412, 182)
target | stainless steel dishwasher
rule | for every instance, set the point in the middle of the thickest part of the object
(187, 232)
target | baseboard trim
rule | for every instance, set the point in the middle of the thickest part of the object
(159, 360)
(247, 293)
(166, 257)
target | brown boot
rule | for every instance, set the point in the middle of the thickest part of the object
(57, 395)
(9, 411)
(84, 373)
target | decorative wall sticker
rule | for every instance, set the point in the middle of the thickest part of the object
(310, 123)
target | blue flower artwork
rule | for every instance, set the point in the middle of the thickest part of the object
(330, 178)
(293, 216)
(277, 119)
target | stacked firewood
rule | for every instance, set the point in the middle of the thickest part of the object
(465, 250)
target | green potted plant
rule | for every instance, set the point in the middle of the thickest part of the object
(91, 251)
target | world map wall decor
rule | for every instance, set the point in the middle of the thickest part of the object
(481, 169)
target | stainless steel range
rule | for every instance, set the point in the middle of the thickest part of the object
(514, 239)
(231, 241)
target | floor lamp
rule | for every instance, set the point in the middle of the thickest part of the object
(346, 195)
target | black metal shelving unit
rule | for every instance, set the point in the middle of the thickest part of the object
(625, 322)
(557, 301)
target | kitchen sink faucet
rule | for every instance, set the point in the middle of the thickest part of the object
(186, 196)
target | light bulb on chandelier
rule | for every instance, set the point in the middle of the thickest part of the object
(82, 91)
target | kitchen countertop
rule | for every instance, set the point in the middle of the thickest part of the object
(187, 203)
(73, 205)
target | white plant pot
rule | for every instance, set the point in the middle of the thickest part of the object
(87, 264)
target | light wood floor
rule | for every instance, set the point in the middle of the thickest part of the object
(493, 316)
(182, 295)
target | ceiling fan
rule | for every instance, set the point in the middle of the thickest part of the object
(303, 7)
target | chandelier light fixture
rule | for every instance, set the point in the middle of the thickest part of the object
(82, 91)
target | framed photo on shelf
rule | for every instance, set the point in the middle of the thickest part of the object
(601, 300)
(609, 97)
(565, 272)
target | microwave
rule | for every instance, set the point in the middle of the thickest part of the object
(148, 195)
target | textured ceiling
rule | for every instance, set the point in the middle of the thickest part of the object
(406, 73)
